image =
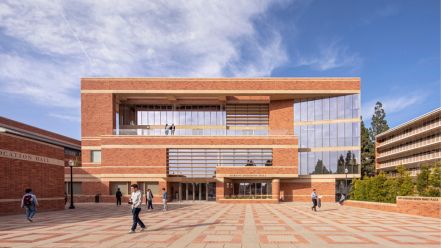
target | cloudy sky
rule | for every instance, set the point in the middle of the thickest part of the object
(47, 46)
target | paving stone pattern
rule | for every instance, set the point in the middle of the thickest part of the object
(221, 225)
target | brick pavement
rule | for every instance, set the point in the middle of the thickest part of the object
(222, 225)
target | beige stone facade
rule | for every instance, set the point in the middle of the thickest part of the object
(411, 144)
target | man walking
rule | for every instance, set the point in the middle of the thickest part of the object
(149, 198)
(314, 200)
(136, 201)
(29, 202)
(118, 197)
(164, 199)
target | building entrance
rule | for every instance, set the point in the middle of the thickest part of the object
(194, 191)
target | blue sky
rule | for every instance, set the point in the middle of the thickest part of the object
(47, 46)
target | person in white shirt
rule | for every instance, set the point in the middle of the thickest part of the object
(136, 201)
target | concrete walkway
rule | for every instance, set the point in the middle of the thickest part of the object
(221, 225)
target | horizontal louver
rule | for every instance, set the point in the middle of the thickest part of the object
(247, 114)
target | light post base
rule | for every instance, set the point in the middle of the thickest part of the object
(71, 207)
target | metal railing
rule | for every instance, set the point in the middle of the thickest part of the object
(201, 132)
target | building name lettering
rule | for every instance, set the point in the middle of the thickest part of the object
(30, 157)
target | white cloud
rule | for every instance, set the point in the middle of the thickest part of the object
(392, 104)
(331, 55)
(71, 118)
(66, 40)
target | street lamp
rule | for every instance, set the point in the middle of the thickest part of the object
(346, 181)
(71, 165)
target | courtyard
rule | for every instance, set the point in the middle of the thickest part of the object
(221, 225)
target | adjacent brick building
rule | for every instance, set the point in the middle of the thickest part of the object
(410, 144)
(33, 158)
(234, 140)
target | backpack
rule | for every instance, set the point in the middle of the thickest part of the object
(27, 201)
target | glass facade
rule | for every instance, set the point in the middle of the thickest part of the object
(202, 162)
(246, 189)
(328, 124)
(210, 115)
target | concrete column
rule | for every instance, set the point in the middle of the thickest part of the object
(186, 191)
(275, 189)
(206, 191)
(200, 191)
(194, 193)
(180, 192)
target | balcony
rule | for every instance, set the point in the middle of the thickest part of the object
(200, 131)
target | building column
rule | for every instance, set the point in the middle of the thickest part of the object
(275, 189)
(180, 192)
(206, 191)
(219, 189)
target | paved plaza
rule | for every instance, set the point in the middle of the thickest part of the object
(221, 225)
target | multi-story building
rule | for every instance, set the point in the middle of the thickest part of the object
(33, 158)
(410, 144)
(250, 139)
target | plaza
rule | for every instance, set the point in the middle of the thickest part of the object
(221, 225)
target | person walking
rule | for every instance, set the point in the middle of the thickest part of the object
(149, 199)
(166, 129)
(118, 197)
(342, 199)
(29, 202)
(65, 198)
(136, 201)
(314, 200)
(164, 199)
(173, 129)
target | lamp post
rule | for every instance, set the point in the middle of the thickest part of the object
(346, 181)
(71, 165)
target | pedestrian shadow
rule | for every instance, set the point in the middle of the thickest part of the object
(185, 226)
(83, 213)
(326, 210)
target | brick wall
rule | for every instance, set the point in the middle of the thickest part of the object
(220, 84)
(424, 206)
(17, 175)
(97, 116)
(301, 191)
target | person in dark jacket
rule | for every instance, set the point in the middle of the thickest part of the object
(314, 197)
(118, 197)
(149, 199)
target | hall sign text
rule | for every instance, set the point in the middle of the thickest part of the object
(30, 157)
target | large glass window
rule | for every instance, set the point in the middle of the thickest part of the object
(344, 133)
(202, 162)
(329, 162)
(246, 189)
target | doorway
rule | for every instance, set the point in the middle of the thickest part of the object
(194, 192)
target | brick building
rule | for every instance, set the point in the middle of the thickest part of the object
(410, 144)
(33, 158)
(234, 140)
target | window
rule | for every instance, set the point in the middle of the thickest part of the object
(95, 156)
(123, 187)
(76, 187)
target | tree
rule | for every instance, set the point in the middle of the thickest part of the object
(435, 181)
(341, 165)
(379, 123)
(367, 152)
(422, 182)
(404, 182)
(320, 168)
(354, 164)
